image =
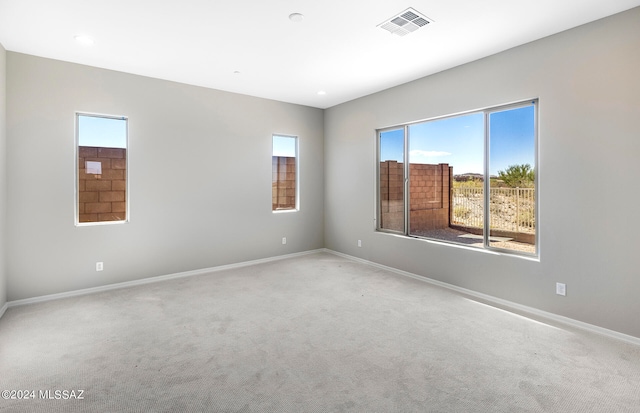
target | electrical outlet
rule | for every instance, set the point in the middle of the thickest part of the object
(99, 266)
(561, 289)
(359, 243)
(284, 240)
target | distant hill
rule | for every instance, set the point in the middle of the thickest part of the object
(468, 177)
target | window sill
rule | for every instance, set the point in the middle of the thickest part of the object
(491, 251)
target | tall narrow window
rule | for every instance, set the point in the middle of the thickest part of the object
(284, 182)
(512, 193)
(470, 179)
(391, 180)
(102, 169)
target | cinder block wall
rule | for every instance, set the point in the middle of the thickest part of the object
(283, 188)
(391, 195)
(102, 197)
(429, 195)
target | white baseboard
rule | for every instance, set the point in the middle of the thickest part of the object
(504, 303)
(150, 280)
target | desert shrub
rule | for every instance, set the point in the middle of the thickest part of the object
(521, 176)
(468, 183)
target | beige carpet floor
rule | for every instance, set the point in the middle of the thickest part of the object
(317, 333)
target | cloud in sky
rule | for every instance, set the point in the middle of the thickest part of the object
(429, 154)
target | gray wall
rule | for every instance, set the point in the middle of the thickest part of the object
(3, 177)
(199, 171)
(200, 167)
(589, 89)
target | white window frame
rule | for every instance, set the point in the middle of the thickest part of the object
(486, 230)
(297, 171)
(77, 170)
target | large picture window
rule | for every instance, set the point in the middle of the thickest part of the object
(101, 194)
(468, 179)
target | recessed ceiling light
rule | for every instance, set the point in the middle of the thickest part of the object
(296, 17)
(236, 72)
(322, 92)
(82, 39)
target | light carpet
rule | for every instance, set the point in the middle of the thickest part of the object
(317, 333)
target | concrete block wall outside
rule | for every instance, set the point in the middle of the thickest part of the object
(102, 197)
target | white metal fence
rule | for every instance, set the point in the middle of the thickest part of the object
(511, 209)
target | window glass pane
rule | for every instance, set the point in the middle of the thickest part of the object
(102, 169)
(512, 206)
(445, 179)
(284, 146)
(391, 193)
(284, 171)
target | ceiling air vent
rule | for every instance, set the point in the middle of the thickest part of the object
(406, 22)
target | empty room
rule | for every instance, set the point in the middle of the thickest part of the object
(452, 224)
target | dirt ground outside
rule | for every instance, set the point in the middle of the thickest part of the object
(461, 237)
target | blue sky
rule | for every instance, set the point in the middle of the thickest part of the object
(284, 146)
(102, 132)
(512, 138)
(459, 141)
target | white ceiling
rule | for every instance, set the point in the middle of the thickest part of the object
(337, 48)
